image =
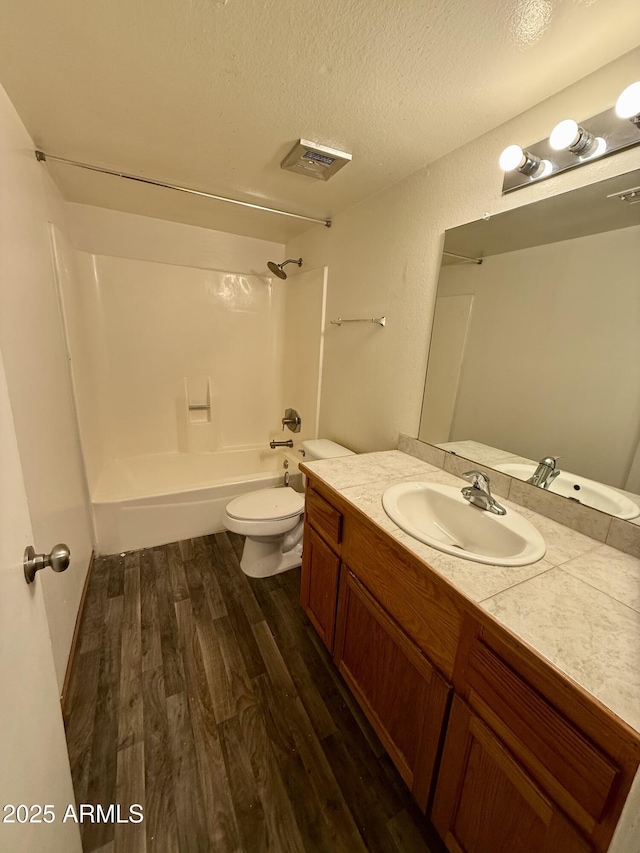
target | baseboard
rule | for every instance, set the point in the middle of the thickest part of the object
(76, 635)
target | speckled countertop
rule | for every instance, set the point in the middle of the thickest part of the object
(579, 606)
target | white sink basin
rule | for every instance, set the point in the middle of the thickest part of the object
(439, 516)
(588, 492)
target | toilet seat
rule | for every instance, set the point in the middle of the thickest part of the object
(267, 505)
(268, 512)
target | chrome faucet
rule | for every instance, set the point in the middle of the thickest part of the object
(545, 473)
(479, 493)
(274, 444)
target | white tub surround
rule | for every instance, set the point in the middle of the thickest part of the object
(185, 359)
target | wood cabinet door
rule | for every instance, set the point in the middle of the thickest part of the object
(398, 689)
(486, 803)
(319, 585)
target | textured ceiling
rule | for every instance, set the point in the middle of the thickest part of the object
(212, 94)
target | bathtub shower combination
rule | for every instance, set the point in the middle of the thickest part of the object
(155, 499)
(181, 375)
(160, 498)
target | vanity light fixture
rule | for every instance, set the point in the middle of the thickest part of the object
(628, 104)
(568, 135)
(572, 144)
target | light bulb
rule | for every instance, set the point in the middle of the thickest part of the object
(628, 104)
(525, 162)
(547, 168)
(564, 135)
(511, 158)
(598, 149)
(568, 135)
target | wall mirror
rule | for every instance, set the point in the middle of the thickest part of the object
(536, 351)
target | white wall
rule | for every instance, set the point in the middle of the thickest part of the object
(552, 360)
(384, 256)
(32, 343)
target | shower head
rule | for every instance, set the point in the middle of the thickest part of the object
(276, 269)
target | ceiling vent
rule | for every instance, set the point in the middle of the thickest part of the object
(316, 161)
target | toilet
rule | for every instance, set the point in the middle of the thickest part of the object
(273, 519)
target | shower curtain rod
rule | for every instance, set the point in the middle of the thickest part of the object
(463, 257)
(42, 157)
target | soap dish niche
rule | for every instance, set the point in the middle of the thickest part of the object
(199, 408)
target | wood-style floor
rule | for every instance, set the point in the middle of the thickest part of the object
(206, 697)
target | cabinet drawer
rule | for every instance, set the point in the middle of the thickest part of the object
(326, 520)
(562, 759)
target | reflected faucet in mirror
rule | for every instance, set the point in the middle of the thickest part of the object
(479, 493)
(545, 473)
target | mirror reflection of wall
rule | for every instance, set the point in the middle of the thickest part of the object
(537, 352)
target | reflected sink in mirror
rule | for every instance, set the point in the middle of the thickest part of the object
(587, 492)
(439, 516)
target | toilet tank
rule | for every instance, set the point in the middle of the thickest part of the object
(322, 448)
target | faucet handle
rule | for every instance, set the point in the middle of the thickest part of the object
(479, 480)
(550, 461)
(291, 419)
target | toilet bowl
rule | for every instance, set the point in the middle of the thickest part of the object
(272, 520)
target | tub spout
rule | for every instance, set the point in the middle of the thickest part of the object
(274, 444)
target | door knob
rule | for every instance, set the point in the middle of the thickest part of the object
(58, 559)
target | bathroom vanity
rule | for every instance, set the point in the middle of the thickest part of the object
(503, 735)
